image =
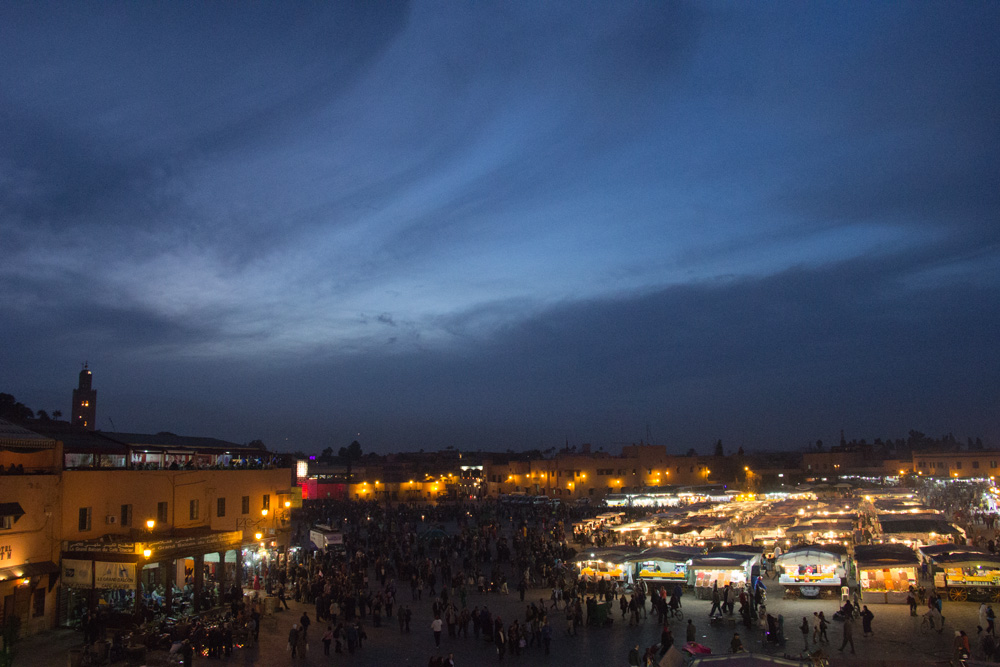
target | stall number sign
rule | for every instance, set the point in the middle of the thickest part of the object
(6, 552)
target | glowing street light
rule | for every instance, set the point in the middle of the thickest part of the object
(150, 524)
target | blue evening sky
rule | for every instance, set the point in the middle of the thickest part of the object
(504, 225)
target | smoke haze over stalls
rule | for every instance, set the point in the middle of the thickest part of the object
(504, 225)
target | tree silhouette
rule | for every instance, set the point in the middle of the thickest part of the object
(349, 455)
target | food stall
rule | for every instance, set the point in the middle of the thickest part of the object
(664, 564)
(964, 573)
(605, 562)
(807, 569)
(886, 571)
(721, 568)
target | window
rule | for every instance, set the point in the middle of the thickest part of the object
(993, 464)
(649, 471)
(267, 501)
(161, 512)
(591, 490)
(193, 510)
(246, 504)
(38, 602)
(958, 465)
(6, 522)
(126, 518)
(220, 507)
(975, 465)
(84, 520)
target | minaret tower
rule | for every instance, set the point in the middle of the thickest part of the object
(84, 402)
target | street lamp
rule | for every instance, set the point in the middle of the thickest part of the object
(146, 553)
(150, 524)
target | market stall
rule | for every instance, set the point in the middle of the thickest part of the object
(886, 571)
(719, 568)
(663, 564)
(806, 569)
(964, 573)
(605, 563)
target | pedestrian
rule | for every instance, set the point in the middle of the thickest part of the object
(961, 645)
(736, 645)
(691, 631)
(293, 639)
(633, 656)
(823, 625)
(187, 653)
(816, 625)
(436, 627)
(327, 639)
(805, 633)
(304, 625)
(866, 621)
(716, 600)
(848, 634)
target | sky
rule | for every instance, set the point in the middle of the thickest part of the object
(505, 225)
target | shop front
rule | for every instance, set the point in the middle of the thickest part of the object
(807, 570)
(966, 573)
(172, 575)
(720, 568)
(610, 563)
(664, 564)
(886, 572)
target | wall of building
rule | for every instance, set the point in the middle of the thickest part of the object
(106, 491)
(32, 539)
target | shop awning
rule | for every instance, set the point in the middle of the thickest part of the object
(28, 570)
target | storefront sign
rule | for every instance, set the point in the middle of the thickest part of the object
(98, 547)
(77, 573)
(114, 575)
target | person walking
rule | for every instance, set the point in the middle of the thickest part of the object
(692, 632)
(805, 633)
(633, 656)
(866, 621)
(823, 625)
(716, 601)
(816, 625)
(293, 639)
(848, 635)
(436, 627)
(304, 625)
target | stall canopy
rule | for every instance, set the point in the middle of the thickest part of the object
(678, 554)
(884, 555)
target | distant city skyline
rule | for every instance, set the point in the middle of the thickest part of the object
(504, 226)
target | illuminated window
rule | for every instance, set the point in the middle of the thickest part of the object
(267, 501)
(6, 522)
